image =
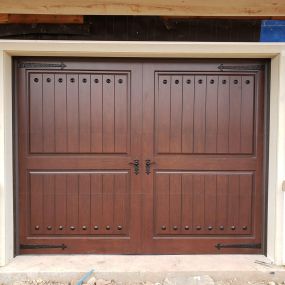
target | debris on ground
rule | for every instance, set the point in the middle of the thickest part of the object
(191, 280)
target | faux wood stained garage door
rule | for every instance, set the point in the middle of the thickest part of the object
(140, 156)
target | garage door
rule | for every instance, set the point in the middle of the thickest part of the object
(140, 156)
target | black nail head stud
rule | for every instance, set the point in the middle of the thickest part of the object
(188, 81)
(96, 80)
(72, 80)
(200, 81)
(48, 80)
(176, 81)
(224, 81)
(108, 80)
(235, 81)
(36, 79)
(120, 81)
(164, 81)
(84, 80)
(60, 80)
(247, 81)
(212, 81)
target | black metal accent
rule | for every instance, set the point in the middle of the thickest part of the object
(238, 245)
(148, 164)
(42, 246)
(136, 165)
(41, 65)
(222, 67)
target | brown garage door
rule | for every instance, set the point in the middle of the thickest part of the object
(140, 157)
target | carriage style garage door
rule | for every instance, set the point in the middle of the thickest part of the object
(140, 156)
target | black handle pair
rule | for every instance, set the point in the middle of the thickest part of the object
(136, 164)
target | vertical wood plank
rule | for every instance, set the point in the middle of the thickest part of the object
(60, 113)
(162, 201)
(198, 203)
(84, 113)
(108, 114)
(188, 114)
(108, 203)
(175, 203)
(72, 113)
(176, 114)
(96, 113)
(84, 204)
(36, 210)
(222, 203)
(36, 113)
(72, 202)
(163, 114)
(210, 202)
(247, 114)
(96, 202)
(235, 114)
(223, 115)
(60, 204)
(187, 203)
(211, 114)
(121, 202)
(233, 213)
(121, 113)
(48, 113)
(48, 203)
(199, 114)
(245, 202)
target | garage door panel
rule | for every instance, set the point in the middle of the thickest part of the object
(204, 114)
(203, 203)
(86, 203)
(79, 113)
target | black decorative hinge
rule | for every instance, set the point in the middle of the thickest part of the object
(41, 65)
(42, 246)
(222, 67)
(238, 245)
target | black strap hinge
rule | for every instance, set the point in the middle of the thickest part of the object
(41, 65)
(238, 245)
(253, 67)
(42, 246)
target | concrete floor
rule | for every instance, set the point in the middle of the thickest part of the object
(128, 268)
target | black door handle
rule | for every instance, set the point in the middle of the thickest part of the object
(136, 164)
(148, 164)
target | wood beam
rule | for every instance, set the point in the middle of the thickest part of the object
(244, 8)
(40, 19)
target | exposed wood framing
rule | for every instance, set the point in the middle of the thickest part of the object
(245, 8)
(42, 19)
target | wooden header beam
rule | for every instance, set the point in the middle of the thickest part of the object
(41, 19)
(211, 8)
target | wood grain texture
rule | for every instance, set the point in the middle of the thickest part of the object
(248, 8)
(42, 19)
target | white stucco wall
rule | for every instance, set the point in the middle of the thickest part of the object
(275, 51)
